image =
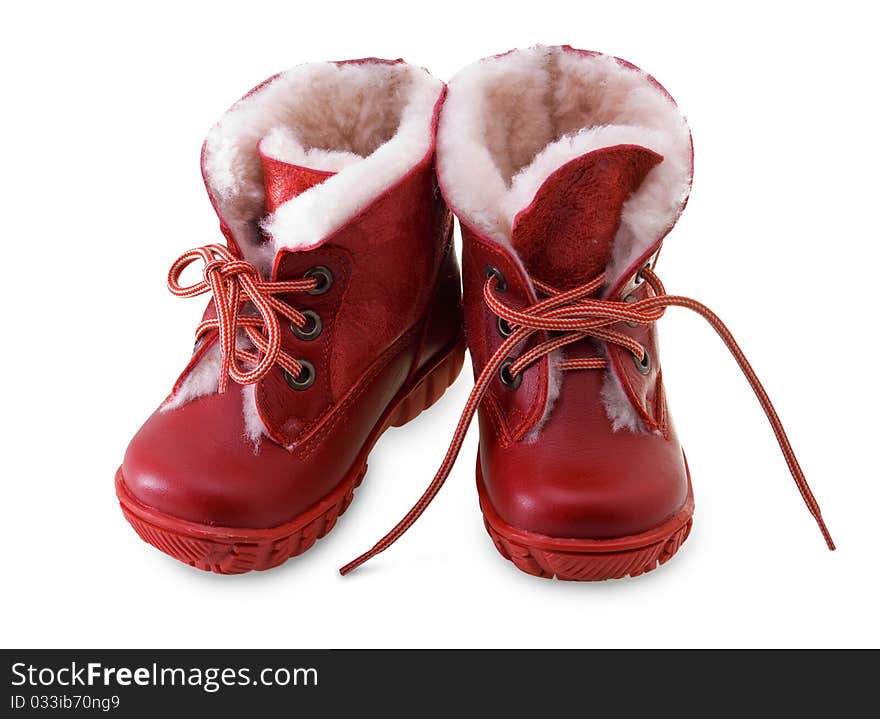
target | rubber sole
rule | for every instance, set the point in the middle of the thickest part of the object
(587, 560)
(228, 550)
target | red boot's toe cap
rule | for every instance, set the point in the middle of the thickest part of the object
(578, 478)
(195, 462)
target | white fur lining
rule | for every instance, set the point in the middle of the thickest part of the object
(509, 122)
(368, 121)
(201, 380)
(618, 406)
(254, 428)
(282, 144)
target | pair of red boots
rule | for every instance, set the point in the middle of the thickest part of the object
(336, 311)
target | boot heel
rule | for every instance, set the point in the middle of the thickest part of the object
(430, 386)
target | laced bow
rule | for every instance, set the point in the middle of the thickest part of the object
(575, 314)
(233, 283)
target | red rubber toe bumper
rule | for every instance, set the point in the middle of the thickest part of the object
(228, 550)
(587, 559)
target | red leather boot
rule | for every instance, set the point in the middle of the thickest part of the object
(335, 312)
(567, 169)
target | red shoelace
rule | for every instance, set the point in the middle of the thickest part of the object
(576, 314)
(233, 283)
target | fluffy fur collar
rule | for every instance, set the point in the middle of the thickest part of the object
(369, 121)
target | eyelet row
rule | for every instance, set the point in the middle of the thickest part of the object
(642, 365)
(512, 382)
(508, 381)
(504, 328)
(310, 330)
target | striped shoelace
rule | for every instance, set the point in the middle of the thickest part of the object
(575, 314)
(233, 283)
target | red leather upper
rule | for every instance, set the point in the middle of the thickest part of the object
(565, 472)
(385, 264)
(196, 463)
(513, 413)
(283, 180)
(394, 304)
(577, 477)
(564, 236)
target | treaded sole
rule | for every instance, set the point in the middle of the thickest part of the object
(230, 550)
(587, 560)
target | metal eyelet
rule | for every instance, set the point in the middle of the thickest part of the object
(643, 365)
(504, 328)
(509, 381)
(304, 380)
(324, 277)
(312, 327)
(500, 282)
(638, 279)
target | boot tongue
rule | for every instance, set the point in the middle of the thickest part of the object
(565, 236)
(283, 180)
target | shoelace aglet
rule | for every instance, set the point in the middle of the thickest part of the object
(825, 533)
(402, 526)
(355, 563)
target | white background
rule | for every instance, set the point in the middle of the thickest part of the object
(104, 109)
